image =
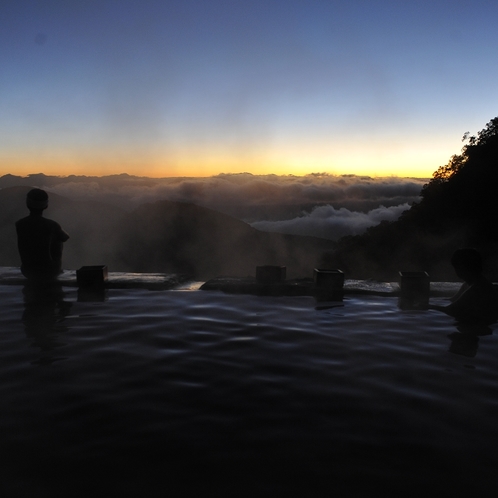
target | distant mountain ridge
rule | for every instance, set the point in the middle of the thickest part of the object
(163, 236)
(42, 180)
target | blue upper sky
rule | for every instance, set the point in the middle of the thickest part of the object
(175, 88)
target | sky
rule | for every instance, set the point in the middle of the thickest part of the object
(197, 88)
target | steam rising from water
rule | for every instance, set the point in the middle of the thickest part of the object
(322, 205)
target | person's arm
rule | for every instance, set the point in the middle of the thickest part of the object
(23, 246)
(463, 288)
(452, 309)
(458, 301)
(473, 305)
(59, 236)
(62, 236)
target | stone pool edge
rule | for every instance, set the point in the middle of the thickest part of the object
(230, 285)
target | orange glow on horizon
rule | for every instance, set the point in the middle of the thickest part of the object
(194, 169)
(298, 160)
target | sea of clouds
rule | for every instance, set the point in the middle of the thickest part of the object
(322, 205)
(330, 223)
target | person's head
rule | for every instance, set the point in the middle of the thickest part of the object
(37, 200)
(467, 263)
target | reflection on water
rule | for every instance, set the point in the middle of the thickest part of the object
(181, 393)
(43, 316)
(465, 342)
(94, 294)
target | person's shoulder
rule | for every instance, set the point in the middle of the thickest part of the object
(22, 221)
(56, 228)
(23, 224)
(484, 284)
(484, 290)
(51, 223)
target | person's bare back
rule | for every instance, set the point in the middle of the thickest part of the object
(39, 240)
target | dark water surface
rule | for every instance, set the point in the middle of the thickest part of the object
(174, 393)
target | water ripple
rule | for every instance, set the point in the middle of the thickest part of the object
(185, 380)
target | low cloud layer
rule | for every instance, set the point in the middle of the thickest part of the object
(330, 223)
(244, 189)
(322, 205)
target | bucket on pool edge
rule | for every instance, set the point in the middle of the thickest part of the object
(414, 290)
(329, 284)
(269, 274)
(91, 276)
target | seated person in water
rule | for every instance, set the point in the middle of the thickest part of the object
(39, 240)
(477, 299)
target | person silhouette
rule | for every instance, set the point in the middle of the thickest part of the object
(39, 240)
(477, 299)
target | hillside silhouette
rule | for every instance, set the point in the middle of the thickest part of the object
(172, 236)
(458, 208)
(163, 236)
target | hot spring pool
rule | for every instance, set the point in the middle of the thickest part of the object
(170, 393)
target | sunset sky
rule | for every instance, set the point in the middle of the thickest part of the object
(199, 87)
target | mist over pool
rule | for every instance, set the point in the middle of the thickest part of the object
(320, 205)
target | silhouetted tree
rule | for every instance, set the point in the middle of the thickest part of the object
(458, 207)
(487, 137)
